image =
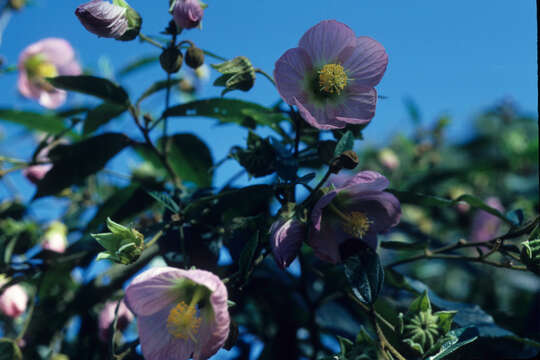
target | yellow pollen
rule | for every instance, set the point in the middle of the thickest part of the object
(357, 224)
(332, 78)
(46, 69)
(183, 321)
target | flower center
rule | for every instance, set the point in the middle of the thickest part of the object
(357, 224)
(332, 78)
(38, 67)
(183, 321)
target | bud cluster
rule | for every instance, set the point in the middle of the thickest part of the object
(123, 245)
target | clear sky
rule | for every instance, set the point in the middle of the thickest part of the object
(453, 58)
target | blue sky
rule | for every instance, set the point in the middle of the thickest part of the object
(453, 58)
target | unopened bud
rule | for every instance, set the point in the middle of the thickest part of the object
(530, 255)
(194, 57)
(238, 74)
(123, 245)
(171, 60)
(347, 160)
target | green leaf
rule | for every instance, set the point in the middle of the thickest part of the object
(137, 64)
(445, 320)
(165, 200)
(9, 350)
(101, 115)
(48, 123)
(239, 112)
(92, 85)
(420, 304)
(248, 256)
(73, 163)
(365, 274)
(190, 158)
(155, 87)
(459, 338)
(345, 143)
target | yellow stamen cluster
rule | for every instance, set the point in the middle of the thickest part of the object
(357, 224)
(183, 321)
(46, 69)
(332, 78)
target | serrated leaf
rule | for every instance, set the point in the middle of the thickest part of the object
(101, 115)
(345, 143)
(165, 200)
(227, 111)
(92, 85)
(190, 158)
(48, 123)
(365, 274)
(73, 163)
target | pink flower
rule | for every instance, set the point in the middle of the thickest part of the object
(46, 58)
(286, 238)
(55, 238)
(188, 14)
(37, 172)
(330, 76)
(484, 225)
(354, 207)
(13, 301)
(106, 317)
(180, 313)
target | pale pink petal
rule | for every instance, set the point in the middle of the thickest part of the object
(157, 343)
(106, 317)
(365, 61)
(13, 301)
(55, 242)
(52, 99)
(37, 172)
(57, 51)
(316, 213)
(70, 68)
(150, 291)
(365, 181)
(286, 237)
(359, 106)
(325, 243)
(289, 73)
(317, 116)
(325, 41)
(383, 208)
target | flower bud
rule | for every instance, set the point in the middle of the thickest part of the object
(55, 238)
(388, 158)
(117, 20)
(238, 74)
(286, 237)
(187, 14)
(17, 4)
(123, 245)
(347, 160)
(171, 60)
(13, 301)
(194, 57)
(530, 255)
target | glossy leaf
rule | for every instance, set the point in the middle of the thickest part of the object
(345, 143)
(365, 274)
(92, 85)
(459, 338)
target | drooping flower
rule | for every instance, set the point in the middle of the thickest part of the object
(485, 225)
(354, 207)
(330, 76)
(180, 313)
(55, 238)
(117, 20)
(49, 57)
(13, 301)
(188, 14)
(286, 236)
(106, 317)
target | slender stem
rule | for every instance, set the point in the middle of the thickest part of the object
(383, 342)
(266, 75)
(149, 40)
(165, 122)
(317, 188)
(156, 237)
(379, 316)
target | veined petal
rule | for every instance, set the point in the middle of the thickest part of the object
(289, 73)
(103, 18)
(317, 116)
(365, 181)
(365, 61)
(359, 107)
(326, 242)
(325, 41)
(316, 213)
(382, 208)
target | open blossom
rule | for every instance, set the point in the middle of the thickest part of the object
(286, 238)
(49, 57)
(485, 225)
(180, 313)
(106, 317)
(35, 173)
(330, 76)
(13, 301)
(355, 207)
(117, 20)
(55, 238)
(188, 14)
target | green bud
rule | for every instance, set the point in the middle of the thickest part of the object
(347, 160)
(134, 21)
(259, 159)
(194, 57)
(530, 255)
(122, 244)
(171, 60)
(238, 74)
